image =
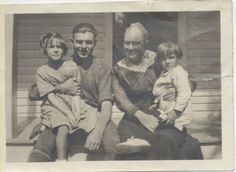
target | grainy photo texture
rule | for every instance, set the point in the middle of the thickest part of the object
(114, 86)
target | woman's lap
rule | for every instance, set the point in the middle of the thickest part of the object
(167, 143)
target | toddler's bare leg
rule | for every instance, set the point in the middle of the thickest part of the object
(62, 142)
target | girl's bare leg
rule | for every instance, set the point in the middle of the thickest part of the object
(62, 142)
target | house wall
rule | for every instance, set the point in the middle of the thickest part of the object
(199, 37)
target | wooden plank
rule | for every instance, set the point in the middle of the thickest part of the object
(206, 107)
(97, 53)
(203, 45)
(198, 30)
(65, 21)
(31, 62)
(198, 115)
(208, 36)
(207, 115)
(35, 46)
(43, 29)
(37, 115)
(31, 53)
(27, 102)
(26, 78)
(213, 84)
(195, 107)
(204, 15)
(196, 93)
(206, 92)
(26, 70)
(195, 100)
(28, 109)
(200, 100)
(59, 15)
(66, 36)
(204, 53)
(206, 22)
(28, 115)
(22, 93)
(24, 54)
(207, 77)
(24, 86)
(195, 69)
(204, 62)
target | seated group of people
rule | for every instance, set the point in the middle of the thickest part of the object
(151, 88)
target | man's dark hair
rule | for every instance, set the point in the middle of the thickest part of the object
(85, 27)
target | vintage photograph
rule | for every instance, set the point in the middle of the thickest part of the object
(114, 86)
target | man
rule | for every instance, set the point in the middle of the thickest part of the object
(96, 90)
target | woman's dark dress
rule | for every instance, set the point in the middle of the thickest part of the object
(133, 91)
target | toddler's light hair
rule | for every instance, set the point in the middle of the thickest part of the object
(167, 48)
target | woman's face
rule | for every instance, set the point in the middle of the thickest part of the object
(134, 45)
(169, 62)
(54, 50)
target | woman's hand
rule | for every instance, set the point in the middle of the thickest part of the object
(148, 121)
(70, 87)
(171, 117)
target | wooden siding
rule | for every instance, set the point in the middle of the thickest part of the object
(203, 62)
(29, 56)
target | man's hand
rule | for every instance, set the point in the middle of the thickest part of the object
(70, 87)
(94, 140)
(148, 121)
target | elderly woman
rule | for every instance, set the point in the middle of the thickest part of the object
(133, 81)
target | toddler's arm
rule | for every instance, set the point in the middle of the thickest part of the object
(183, 90)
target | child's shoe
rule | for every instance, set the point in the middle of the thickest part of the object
(133, 145)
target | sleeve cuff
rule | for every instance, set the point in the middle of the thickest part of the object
(49, 90)
(180, 109)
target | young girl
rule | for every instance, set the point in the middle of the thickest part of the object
(60, 112)
(174, 79)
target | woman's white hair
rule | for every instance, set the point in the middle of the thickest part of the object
(141, 28)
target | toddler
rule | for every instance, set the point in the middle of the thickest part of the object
(174, 79)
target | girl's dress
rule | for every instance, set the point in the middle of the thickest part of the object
(46, 79)
(132, 90)
(176, 81)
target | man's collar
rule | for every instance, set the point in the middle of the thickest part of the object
(84, 63)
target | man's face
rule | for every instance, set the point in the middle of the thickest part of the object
(134, 44)
(83, 44)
